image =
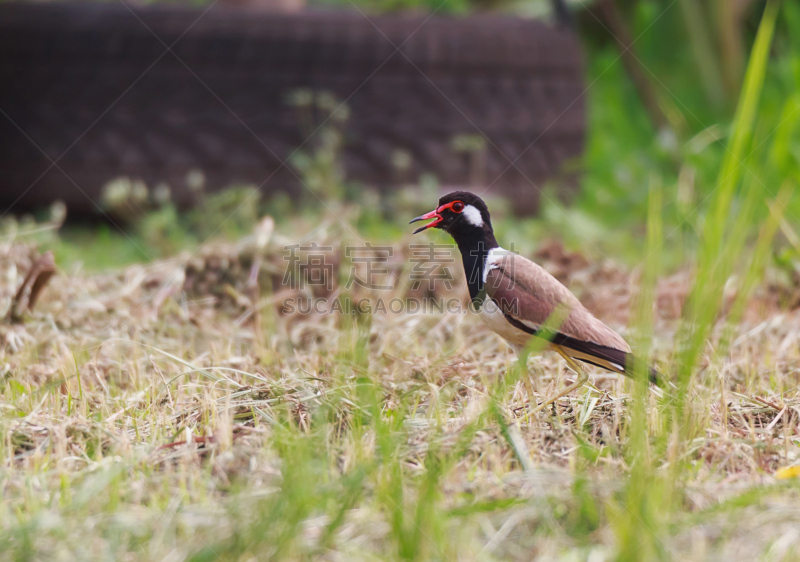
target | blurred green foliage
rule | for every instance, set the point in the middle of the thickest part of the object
(625, 152)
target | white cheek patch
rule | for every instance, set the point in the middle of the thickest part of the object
(473, 215)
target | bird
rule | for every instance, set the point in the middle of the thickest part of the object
(519, 300)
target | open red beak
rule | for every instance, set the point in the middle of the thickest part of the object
(432, 215)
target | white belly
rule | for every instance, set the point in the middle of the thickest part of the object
(493, 317)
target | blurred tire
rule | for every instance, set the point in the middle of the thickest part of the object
(94, 89)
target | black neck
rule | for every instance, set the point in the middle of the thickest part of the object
(474, 245)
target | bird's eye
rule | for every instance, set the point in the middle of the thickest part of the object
(457, 207)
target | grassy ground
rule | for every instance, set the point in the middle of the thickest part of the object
(142, 423)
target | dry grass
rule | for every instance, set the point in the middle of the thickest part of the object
(143, 422)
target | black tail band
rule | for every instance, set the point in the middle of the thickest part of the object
(625, 360)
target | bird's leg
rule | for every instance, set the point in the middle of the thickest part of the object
(522, 357)
(583, 376)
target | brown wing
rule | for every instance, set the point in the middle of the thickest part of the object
(528, 295)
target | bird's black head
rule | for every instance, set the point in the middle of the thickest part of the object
(460, 214)
(465, 217)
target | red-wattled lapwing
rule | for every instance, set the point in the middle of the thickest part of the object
(516, 297)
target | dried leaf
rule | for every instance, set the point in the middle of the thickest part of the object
(32, 286)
